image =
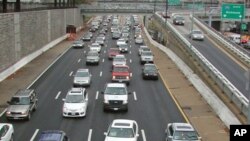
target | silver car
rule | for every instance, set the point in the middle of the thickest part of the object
(143, 48)
(147, 57)
(119, 60)
(82, 78)
(181, 132)
(196, 35)
(95, 47)
(78, 44)
(93, 57)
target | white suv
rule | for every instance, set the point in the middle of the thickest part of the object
(122, 129)
(75, 103)
(181, 132)
(115, 97)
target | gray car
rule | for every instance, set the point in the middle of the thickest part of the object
(22, 104)
(93, 57)
(196, 35)
(147, 57)
(78, 44)
(82, 78)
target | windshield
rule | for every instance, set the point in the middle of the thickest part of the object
(95, 45)
(20, 101)
(92, 54)
(120, 69)
(115, 90)
(77, 42)
(197, 32)
(123, 46)
(74, 99)
(185, 135)
(82, 74)
(121, 132)
(150, 68)
(119, 60)
(146, 53)
(99, 39)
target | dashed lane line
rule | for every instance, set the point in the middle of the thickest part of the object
(101, 74)
(79, 60)
(134, 93)
(90, 135)
(34, 135)
(70, 74)
(58, 94)
(97, 94)
(143, 135)
(103, 60)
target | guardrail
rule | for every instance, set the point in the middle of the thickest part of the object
(218, 37)
(232, 92)
(148, 11)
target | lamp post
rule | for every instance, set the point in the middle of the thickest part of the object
(166, 11)
(192, 24)
(154, 5)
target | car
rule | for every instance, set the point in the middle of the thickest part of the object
(113, 52)
(123, 48)
(82, 78)
(147, 57)
(165, 14)
(178, 20)
(149, 71)
(93, 57)
(92, 29)
(246, 45)
(143, 48)
(95, 47)
(181, 132)
(196, 35)
(102, 36)
(115, 97)
(116, 35)
(6, 132)
(121, 130)
(53, 135)
(78, 44)
(103, 31)
(120, 42)
(22, 104)
(139, 40)
(105, 23)
(75, 103)
(121, 73)
(119, 60)
(87, 36)
(99, 40)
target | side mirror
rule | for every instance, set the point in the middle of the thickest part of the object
(8, 102)
(102, 92)
(129, 92)
(105, 133)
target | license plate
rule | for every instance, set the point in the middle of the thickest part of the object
(120, 80)
(115, 109)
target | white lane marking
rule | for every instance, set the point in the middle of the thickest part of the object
(101, 74)
(130, 46)
(130, 60)
(104, 51)
(134, 93)
(102, 60)
(3, 112)
(34, 135)
(58, 94)
(48, 67)
(71, 73)
(131, 74)
(79, 60)
(130, 52)
(97, 94)
(143, 135)
(90, 135)
(84, 51)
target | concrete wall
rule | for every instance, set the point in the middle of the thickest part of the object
(24, 33)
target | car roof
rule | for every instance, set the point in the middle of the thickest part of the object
(76, 91)
(116, 85)
(3, 124)
(124, 123)
(183, 127)
(23, 92)
(83, 70)
(55, 135)
(149, 64)
(123, 66)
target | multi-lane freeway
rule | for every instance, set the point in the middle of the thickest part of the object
(150, 104)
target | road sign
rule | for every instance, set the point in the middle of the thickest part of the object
(243, 26)
(174, 2)
(232, 11)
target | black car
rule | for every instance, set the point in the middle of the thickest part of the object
(150, 71)
(179, 20)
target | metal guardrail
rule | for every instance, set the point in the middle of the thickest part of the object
(217, 36)
(148, 11)
(232, 92)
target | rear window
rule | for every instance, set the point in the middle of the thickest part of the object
(50, 137)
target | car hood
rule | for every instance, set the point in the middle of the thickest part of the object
(115, 97)
(92, 57)
(120, 73)
(119, 139)
(150, 71)
(81, 78)
(18, 108)
(74, 106)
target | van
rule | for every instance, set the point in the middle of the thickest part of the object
(235, 38)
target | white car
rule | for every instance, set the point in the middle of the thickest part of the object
(6, 132)
(119, 60)
(196, 35)
(120, 42)
(95, 47)
(139, 40)
(75, 103)
(122, 130)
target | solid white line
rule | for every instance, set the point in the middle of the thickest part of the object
(102, 60)
(48, 68)
(90, 134)
(3, 112)
(143, 135)
(71, 73)
(130, 60)
(97, 94)
(58, 94)
(79, 61)
(101, 74)
(134, 93)
(34, 135)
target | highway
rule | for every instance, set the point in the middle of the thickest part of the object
(150, 104)
(226, 65)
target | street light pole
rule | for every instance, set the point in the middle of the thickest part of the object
(166, 11)
(192, 24)
(154, 5)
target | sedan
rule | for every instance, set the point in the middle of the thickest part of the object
(78, 44)
(196, 35)
(119, 60)
(121, 130)
(149, 71)
(75, 103)
(120, 42)
(6, 132)
(123, 48)
(99, 40)
(82, 77)
(139, 40)
(95, 47)
(93, 57)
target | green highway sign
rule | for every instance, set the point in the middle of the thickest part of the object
(243, 26)
(232, 11)
(174, 2)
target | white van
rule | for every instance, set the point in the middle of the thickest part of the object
(235, 38)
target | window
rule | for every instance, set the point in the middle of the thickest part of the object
(171, 130)
(4, 130)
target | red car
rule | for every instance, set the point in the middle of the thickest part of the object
(121, 73)
(113, 52)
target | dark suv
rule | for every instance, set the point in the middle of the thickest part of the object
(22, 104)
(53, 135)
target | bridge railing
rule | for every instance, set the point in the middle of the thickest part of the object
(229, 89)
(120, 10)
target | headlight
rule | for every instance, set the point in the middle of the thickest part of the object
(23, 113)
(8, 112)
(81, 109)
(106, 101)
(127, 77)
(146, 74)
(125, 102)
(113, 77)
(65, 109)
